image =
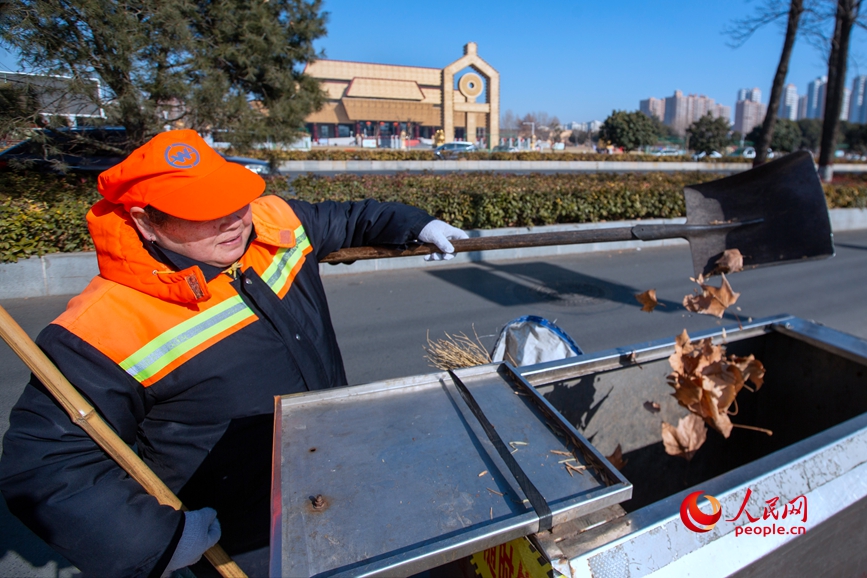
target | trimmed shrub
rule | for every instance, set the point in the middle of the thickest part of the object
(42, 214)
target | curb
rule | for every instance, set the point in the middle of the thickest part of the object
(69, 273)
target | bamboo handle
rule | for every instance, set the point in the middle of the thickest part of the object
(85, 416)
(487, 244)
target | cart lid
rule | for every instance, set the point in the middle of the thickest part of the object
(399, 476)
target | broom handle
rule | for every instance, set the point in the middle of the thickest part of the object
(85, 416)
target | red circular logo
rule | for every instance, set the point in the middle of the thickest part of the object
(182, 156)
(696, 520)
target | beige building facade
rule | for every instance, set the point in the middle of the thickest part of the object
(387, 105)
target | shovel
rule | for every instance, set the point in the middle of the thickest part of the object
(775, 213)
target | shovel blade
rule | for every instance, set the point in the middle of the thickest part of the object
(785, 195)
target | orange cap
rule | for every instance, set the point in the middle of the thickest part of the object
(179, 174)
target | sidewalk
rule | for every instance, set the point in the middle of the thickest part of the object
(69, 273)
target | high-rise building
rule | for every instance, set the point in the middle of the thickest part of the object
(816, 97)
(844, 110)
(858, 100)
(789, 103)
(681, 111)
(802, 107)
(749, 110)
(653, 107)
(748, 115)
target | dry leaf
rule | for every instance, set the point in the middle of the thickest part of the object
(651, 406)
(712, 300)
(685, 439)
(731, 262)
(647, 299)
(707, 383)
(616, 458)
(752, 369)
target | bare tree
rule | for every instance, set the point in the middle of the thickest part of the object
(509, 120)
(845, 18)
(742, 30)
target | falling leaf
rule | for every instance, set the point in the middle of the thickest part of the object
(731, 262)
(616, 458)
(651, 406)
(685, 439)
(712, 300)
(752, 369)
(707, 383)
(648, 300)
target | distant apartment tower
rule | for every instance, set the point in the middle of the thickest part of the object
(753, 94)
(857, 100)
(681, 111)
(802, 107)
(844, 110)
(816, 97)
(749, 111)
(653, 107)
(789, 103)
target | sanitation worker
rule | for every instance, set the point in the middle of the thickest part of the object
(207, 305)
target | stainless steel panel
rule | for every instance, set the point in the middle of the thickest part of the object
(398, 465)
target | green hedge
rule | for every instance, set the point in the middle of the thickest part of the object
(339, 154)
(42, 214)
(485, 200)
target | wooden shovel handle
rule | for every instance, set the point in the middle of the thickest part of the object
(83, 414)
(487, 244)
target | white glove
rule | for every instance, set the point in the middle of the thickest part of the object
(439, 233)
(201, 531)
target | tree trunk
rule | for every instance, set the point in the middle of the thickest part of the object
(796, 8)
(847, 13)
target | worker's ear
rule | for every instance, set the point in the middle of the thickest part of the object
(143, 223)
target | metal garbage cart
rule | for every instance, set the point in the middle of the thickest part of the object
(814, 399)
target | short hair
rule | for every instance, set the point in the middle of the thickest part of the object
(156, 217)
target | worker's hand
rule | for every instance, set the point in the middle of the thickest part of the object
(201, 531)
(440, 234)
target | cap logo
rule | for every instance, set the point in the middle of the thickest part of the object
(182, 156)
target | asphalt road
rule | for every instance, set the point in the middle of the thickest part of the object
(383, 319)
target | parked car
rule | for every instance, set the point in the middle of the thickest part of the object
(745, 152)
(702, 154)
(669, 152)
(452, 150)
(505, 149)
(66, 153)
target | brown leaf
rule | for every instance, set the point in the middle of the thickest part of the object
(616, 458)
(731, 262)
(647, 299)
(712, 300)
(752, 369)
(684, 440)
(707, 383)
(651, 406)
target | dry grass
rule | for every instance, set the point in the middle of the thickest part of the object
(456, 351)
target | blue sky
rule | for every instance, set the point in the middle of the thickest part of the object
(575, 59)
(578, 59)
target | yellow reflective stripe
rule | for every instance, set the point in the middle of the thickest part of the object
(277, 272)
(181, 339)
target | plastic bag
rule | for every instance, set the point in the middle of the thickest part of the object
(530, 339)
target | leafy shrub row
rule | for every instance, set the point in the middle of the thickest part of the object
(42, 214)
(338, 154)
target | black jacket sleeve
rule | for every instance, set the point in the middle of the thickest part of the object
(331, 226)
(66, 488)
